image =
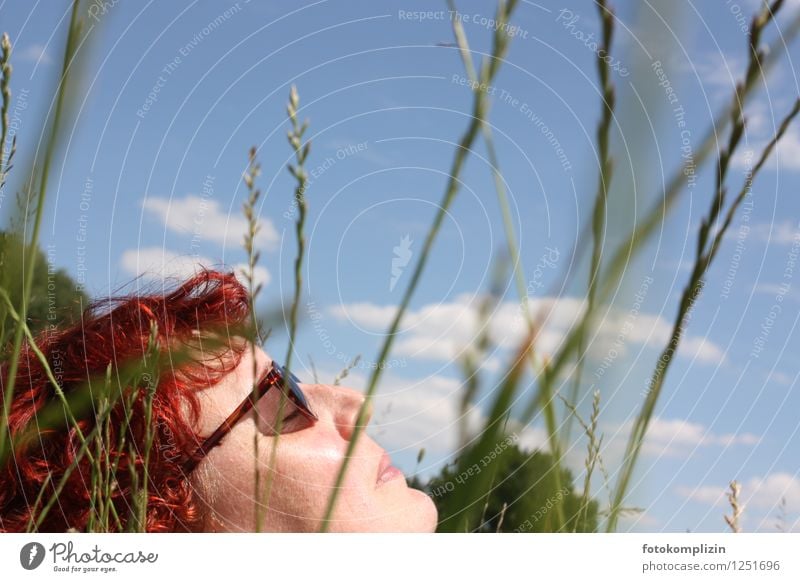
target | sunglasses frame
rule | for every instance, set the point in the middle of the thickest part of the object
(275, 376)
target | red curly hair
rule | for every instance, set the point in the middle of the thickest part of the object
(115, 331)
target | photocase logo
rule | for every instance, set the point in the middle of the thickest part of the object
(31, 555)
(402, 255)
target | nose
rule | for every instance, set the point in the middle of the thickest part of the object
(339, 406)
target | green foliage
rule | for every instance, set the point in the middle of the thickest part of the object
(55, 298)
(522, 498)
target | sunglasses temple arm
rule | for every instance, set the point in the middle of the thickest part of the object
(216, 437)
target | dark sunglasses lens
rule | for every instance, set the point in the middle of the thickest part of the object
(293, 384)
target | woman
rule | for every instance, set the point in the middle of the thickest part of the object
(207, 422)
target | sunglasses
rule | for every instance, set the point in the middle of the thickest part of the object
(292, 405)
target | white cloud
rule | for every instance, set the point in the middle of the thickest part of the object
(34, 53)
(156, 262)
(347, 148)
(203, 217)
(640, 521)
(261, 275)
(676, 438)
(161, 263)
(775, 289)
(442, 331)
(763, 493)
(718, 72)
(786, 153)
(766, 492)
(781, 378)
(706, 494)
(767, 288)
(783, 233)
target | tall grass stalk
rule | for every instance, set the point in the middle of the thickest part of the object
(465, 501)
(708, 243)
(343, 373)
(593, 458)
(29, 253)
(120, 385)
(250, 210)
(781, 520)
(480, 106)
(513, 246)
(5, 91)
(22, 324)
(599, 215)
(148, 382)
(476, 354)
(734, 519)
(759, 66)
(84, 399)
(301, 150)
(6, 158)
(760, 63)
(102, 481)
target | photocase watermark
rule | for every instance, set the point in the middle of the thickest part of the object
(31, 555)
(385, 365)
(316, 172)
(402, 256)
(548, 260)
(536, 120)
(169, 69)
(512, 30)
(422, 15)
(331, 349)
(568, 20)
(505, 97)
(15, 122)
(67, 559)
(528, 524)
(57, 365)
(739, 15)
(678, 112)
(81, 237)
(14, 125)
(52, 307)
(464, 81)
(99, 8)
(627, 327)
(168, 447)
(744, 227)
(776, 308)
(669, 351)
(197, 231)
(487, 22)
(476, 468)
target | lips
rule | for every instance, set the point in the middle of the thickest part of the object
(387, 472)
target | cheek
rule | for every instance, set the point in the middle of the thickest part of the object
(307, 465)
(312, 461)
(307, 468)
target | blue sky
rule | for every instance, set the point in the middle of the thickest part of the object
(174, 95)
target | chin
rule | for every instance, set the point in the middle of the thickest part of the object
(423, 513)
(405, 510)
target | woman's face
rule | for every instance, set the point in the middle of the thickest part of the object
(374, 496)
